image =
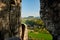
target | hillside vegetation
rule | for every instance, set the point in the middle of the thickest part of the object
(36, 29)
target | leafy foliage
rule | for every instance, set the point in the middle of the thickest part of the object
(33, 22)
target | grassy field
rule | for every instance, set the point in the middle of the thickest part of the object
(39, 36)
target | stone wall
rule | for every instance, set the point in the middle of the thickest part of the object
(50, 14)
(10, 13)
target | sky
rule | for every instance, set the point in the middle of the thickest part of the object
(30, 8)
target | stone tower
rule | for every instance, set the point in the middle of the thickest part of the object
(10, 14)
(50, 14)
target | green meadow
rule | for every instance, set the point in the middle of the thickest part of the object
(39, 35)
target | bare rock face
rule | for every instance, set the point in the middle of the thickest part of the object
(50, 14)
(10, 11)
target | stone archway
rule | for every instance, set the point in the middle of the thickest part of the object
(10, 17)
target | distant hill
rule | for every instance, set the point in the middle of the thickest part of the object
(30, 17)
(37, 17)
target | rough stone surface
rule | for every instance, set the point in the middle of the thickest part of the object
(50, 14)
(24, 35)
(10, 11)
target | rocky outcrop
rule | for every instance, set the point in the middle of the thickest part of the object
(50, 14)
(24, 34)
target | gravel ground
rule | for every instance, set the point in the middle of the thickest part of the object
(13, 38)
